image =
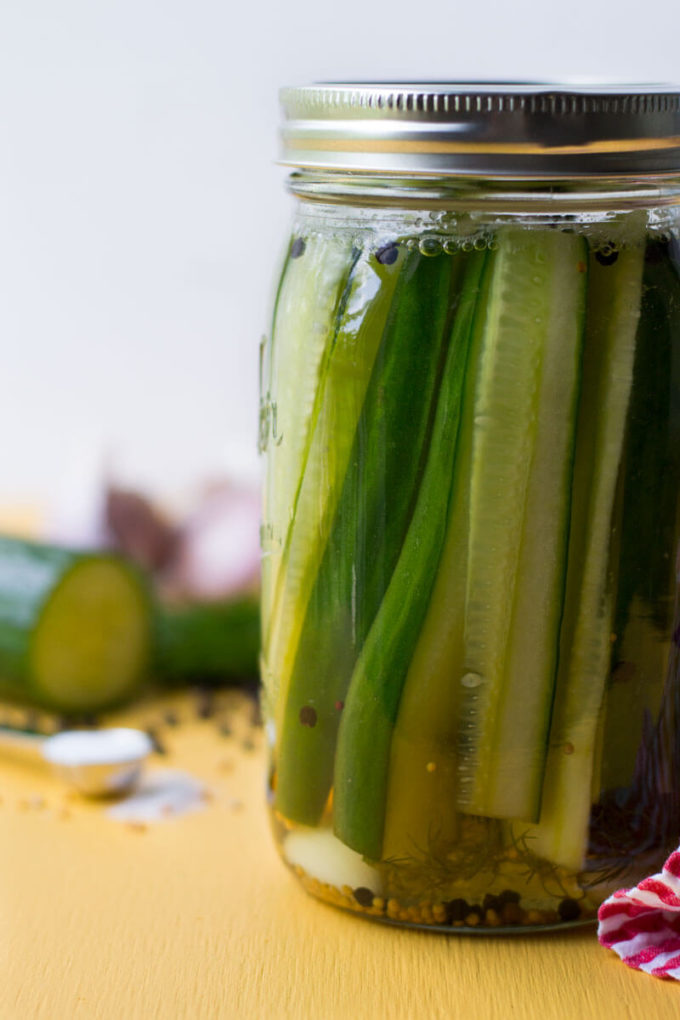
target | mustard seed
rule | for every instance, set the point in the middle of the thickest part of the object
(512, 913)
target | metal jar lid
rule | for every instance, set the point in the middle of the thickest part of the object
(538, 130)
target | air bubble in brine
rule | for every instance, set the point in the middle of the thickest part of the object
(430, 246)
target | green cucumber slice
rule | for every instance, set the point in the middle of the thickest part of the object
(648, 497)
(365, 733)
(420, 813)
(585, 639)
(314, 277)
(344, 376)
(460, 743)
(372, 517)
(75, 628)
(522, 452)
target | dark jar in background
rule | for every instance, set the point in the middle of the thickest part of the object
(471, 425)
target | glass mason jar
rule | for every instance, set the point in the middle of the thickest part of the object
(471, 422)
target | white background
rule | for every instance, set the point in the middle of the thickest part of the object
(142, 215)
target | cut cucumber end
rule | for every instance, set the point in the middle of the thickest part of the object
(91, 646)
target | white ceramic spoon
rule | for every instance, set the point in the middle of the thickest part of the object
(96, 762)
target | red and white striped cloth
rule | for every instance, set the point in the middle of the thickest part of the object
(642, 924)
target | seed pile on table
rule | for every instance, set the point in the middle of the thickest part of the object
(234, 713)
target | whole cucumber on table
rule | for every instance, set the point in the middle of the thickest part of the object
(373, 513)
(208, 642)
(75, 627)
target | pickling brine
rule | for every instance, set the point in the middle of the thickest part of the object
(471, 428)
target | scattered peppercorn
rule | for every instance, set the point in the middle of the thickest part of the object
(158, 746)
(205, 703)
(225, 730)
(339, 705)
(248, 745)
(170, 719)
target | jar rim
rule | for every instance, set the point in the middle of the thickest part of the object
(523, 129)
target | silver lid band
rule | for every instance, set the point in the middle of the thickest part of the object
(529, 130)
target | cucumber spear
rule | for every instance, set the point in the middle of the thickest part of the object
(373, 513)
(363, 752)
(585, 639)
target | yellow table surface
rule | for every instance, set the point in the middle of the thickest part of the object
(195, 917)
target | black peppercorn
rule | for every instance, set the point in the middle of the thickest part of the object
(387, 255)
(297, 248)
(363, 896)
(569, 910)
